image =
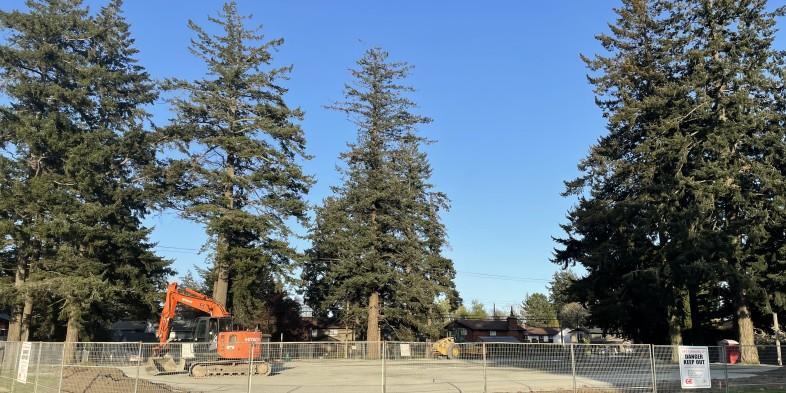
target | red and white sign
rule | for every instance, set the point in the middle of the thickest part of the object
(24, 361)
(694, 368)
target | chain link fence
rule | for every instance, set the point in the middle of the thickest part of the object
(375, 367)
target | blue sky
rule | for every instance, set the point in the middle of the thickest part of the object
(513, 112)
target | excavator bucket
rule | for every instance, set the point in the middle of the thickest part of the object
(165, 365)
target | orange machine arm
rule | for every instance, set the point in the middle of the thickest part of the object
(190, 298)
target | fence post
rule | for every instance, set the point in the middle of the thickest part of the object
(37, 368)
(138, 366)
(485, 377)
(652, 365)
(777, 328)
(384, 355)
(725, 369)
(62, 369)
(251, 364)
(573, 366)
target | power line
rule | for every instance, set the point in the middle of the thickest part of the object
(488, 276)
(502, 277)
(178, 248)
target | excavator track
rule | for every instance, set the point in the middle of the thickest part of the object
(228, 367)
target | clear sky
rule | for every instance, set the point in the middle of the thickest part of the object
(513, 112)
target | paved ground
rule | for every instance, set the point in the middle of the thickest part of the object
(433, 377)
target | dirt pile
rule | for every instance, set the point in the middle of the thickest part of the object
(107, 380)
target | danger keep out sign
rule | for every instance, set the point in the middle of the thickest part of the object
(24, 362)
(695, 368)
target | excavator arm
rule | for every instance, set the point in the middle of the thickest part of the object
(188, 298)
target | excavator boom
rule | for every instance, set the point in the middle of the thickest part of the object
(190, 298)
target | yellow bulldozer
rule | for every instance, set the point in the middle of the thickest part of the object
(446, 347)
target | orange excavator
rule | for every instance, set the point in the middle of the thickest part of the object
(217, 347)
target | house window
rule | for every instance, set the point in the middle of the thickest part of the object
(314, 332)
(492, 333)
(333, 332)
(462, 332)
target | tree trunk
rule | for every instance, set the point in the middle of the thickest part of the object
(72, 336)
(695, 324)
(748, 352)
(16, 325)
(372, 331)
(675, 331)
(27, 312)
(221, 284)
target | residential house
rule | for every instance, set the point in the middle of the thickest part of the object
(332, 333)
(545, 335)
(490, 330)
(595, 336)
(314, 330)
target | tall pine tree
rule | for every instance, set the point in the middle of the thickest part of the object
(237, 160)
(79, 161)
(684, 193)
(378, 242)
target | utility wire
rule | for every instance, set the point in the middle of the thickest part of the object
(489, 276)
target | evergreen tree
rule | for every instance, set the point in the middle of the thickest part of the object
(684, 191)
(378, 242)
(476, 310)
(618, 216)
(737, 79)
(560, 288)
(538, 311)
(572, 315)
(238, 150)
(79, 161)
(196, 283)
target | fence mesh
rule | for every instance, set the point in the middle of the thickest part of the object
(370, 367)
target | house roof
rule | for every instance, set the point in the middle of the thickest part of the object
(539, 331)
(499, 339)
(486, 324)
(593, 330)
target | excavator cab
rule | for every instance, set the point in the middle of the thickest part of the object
(220, 335)
(208, 328)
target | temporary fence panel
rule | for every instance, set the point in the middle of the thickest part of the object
(613, 367)
(9, 353)
(529, 366)
(732, 369)
(49, 367)
(374, 367)
(415, 367)
(755, 368)
(320, 367)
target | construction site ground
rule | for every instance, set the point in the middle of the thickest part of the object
(400, 376)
